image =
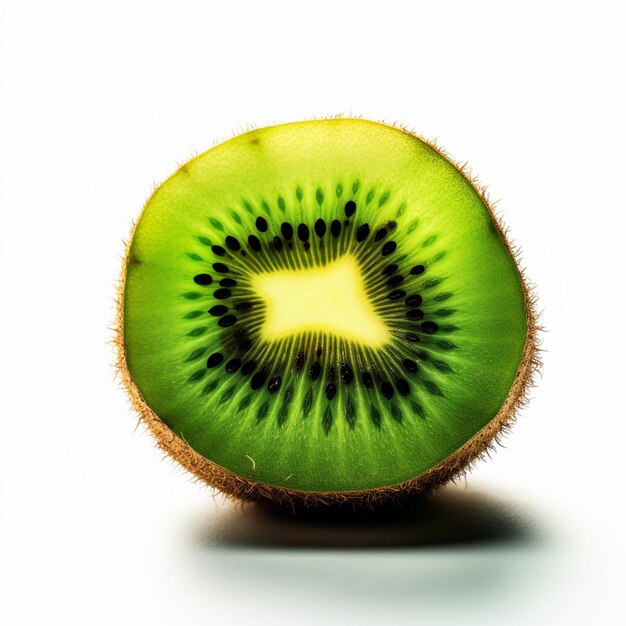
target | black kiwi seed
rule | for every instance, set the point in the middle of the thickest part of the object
(232, 243)
(243, 306)
(245, 345)
(218, 309)
(287, 230)
(350, 208)
(398, 294)
(315, 370)
(330, 391)
(390, 269)
(380, 234)
(367, 380)
(261, 224)
(240, 332)
(254, 243)
(414, 314)
(362, 232)
(232, 366)
(396, 280)
(347, 375)
(248, 367)
(387, 390)
(412, 337)
(414, 300)
(429, 327)
(227, 320)
(303, 232)
(335, 228)
(320, 227)
(300, 357)
(307, 246)
(215, 359)
(257, 380)
(278, 243)
(222, 294)
(202, 279)
(274, 384)
(417, 270)
(388, 248)
(318, 352)
(228, 282)
(391, 225)
(218, 250)
(403, 387)
(221, 268)
(410, 366)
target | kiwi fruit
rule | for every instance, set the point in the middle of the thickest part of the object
(324, 312)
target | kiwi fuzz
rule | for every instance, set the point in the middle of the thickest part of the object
(280, 496)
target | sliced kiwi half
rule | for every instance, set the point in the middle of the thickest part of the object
(324, 311)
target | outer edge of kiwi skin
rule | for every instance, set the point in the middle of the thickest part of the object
(279, 497)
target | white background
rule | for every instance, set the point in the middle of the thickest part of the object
(103, 99)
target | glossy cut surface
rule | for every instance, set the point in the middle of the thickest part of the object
(341, 380)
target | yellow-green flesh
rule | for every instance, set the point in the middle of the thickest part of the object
(332, 401)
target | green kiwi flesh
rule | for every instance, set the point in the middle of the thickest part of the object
(320, 311)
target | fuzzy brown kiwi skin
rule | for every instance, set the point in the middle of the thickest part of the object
(295, 500)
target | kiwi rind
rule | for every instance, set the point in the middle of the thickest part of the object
(455, 465)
